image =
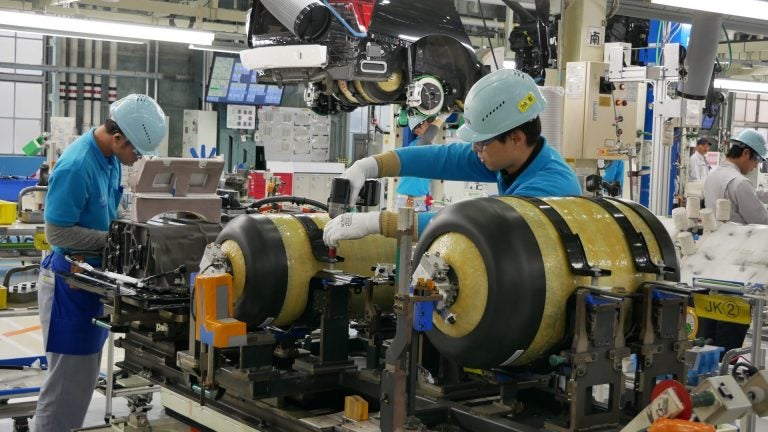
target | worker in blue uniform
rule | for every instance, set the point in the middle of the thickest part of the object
(83, 196)
(504, 145)
(614, 176)
(413, 191)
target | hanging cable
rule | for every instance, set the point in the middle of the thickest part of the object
(613, 9)
(659, 43)
(487, 34)
(730, 50)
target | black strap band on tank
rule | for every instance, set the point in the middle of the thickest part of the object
(664, 241)
(574, 249)
(638, 247)
(315, 234)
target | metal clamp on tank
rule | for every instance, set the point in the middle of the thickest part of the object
(594, 358)
(433, 274)
(663, 339)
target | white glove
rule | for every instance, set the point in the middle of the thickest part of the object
(351, 226)
(357, 174)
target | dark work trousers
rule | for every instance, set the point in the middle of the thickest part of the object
(724, 334)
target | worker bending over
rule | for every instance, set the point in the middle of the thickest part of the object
(504, 145)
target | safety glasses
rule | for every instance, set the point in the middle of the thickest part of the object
(481, 145)
(135, 151)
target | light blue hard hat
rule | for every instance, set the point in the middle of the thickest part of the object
(142, 121)
(752, 139)
(415, 119)
(500, 102)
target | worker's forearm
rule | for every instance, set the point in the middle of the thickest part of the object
(75, 237)
(389, 164)
(388, 223)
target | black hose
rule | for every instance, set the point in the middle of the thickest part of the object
(750, 370)
(289, 199)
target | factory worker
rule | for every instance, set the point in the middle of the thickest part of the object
(727, 181)
(504, 145)
(698, 169)
(83, 196)
(413, 191)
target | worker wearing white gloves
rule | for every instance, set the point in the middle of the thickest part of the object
(727, 181)
(698, 168)
(504, 145)
(83, 196)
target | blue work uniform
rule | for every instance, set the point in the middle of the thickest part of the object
(84, 190)
(413, 186)
(545, 175)
(614, 172)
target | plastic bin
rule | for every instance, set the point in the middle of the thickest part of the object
(703, 362)
(9, 188)
(7, 212)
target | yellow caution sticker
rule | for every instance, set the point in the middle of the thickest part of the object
(722, 308)
(526, 102)
(41, 243)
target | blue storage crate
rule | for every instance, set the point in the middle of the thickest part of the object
(705, 363)
(9, 188)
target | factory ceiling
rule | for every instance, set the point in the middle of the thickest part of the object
(226, 18)
(646, 9)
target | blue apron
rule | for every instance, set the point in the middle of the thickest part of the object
(70, 330)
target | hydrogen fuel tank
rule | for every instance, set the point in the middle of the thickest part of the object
(516, 261)
(273, 262)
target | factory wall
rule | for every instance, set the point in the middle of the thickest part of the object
(241, 142)
(181, 90)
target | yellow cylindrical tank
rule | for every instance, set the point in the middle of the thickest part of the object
(273, 263)
(514, 275)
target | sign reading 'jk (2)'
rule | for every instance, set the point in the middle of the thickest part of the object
(722, 308)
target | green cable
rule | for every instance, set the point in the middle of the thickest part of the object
(658, 41)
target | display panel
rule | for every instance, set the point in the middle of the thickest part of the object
(231, 83)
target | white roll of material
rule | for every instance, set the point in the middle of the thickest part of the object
(680, 218)
(708, 219)
(692, 206)
(552, 116)
(687, 247)
(723, 210)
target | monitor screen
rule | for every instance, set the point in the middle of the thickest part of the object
(231, 83)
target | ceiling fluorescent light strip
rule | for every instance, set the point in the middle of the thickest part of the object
(742, 86)
(233, 50)
(12, 20)
(756, 9)
(78, 35)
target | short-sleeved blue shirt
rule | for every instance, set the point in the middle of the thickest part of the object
(84, 188)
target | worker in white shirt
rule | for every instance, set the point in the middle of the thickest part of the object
(697, 166)
(727, 181)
